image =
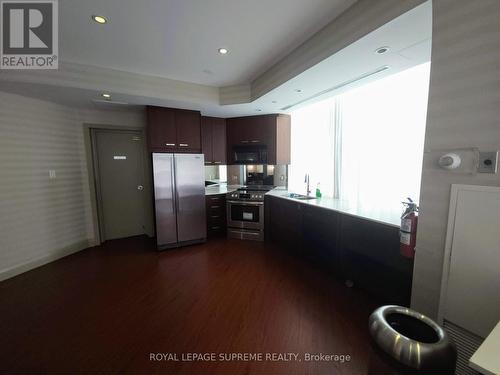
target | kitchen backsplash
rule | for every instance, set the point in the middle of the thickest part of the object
(258, 175)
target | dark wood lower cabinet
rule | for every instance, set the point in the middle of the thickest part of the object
(352, 248)
(283, 223)
(370, 257)
(216, 215)
(320, 232)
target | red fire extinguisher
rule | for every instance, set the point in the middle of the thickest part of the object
(408, 233)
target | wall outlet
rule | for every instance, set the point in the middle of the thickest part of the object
(52, 174)
(488, 162)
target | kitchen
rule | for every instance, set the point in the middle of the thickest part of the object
(257, 207)
(239, 199)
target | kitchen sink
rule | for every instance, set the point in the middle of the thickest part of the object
(298, 196)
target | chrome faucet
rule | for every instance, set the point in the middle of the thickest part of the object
(306, 181)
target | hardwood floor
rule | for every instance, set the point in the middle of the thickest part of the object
(105, 309)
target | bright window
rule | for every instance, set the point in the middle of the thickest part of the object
(364, 146)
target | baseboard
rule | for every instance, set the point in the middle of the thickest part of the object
(35, 263)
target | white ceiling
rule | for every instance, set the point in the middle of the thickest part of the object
(408, 36)
(179, 39)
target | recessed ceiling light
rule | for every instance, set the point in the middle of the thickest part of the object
(259, 110)
(382, 50)
(99, 19)
(298, 90)
(223, 51)
(106, 95)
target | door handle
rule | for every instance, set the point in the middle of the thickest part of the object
(140, 187)
(183, 145)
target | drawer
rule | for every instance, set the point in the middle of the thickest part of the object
(215, 216)
(216, 211)
(216, 200)
(216, 227)
(216, 205)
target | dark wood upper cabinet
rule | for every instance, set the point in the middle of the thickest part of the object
(161, 131)
(206, 139)
(272, 131)
(213, 135)
(219, 140)
(188, 124)
(173, 130)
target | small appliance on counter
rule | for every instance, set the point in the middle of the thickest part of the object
(245, 212)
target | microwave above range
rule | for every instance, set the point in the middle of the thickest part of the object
(256, 154)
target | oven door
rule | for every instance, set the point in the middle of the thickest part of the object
(248, 215)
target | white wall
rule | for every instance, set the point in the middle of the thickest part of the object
(463, 111)
(41, 219)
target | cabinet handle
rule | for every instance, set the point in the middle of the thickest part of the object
(215, 228)
(183, 145)
(215, 199)
(169, 144)
(217, 162)
(214, 217)
(255, 141)
(244, 141)
(215, 207)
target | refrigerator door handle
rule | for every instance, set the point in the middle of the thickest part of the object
(165, 200)
(176, 190)
(174, 187)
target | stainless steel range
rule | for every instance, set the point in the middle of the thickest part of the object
(245, 212)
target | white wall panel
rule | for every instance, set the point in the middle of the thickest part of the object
(463, 111)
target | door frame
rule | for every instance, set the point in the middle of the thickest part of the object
(89, 131)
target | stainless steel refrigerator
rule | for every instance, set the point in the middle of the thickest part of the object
(179, 188)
